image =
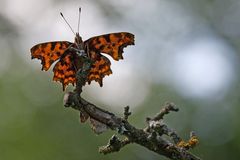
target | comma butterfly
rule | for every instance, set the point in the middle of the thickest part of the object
(69, 55)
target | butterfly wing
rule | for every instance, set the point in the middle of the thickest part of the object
(100, 68)
(111, 44)
(66, 68)
(49, 52)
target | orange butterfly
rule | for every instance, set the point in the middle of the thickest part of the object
(69, 55)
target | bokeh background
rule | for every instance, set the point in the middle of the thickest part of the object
(186, 52)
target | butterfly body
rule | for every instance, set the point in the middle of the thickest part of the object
(69, 56)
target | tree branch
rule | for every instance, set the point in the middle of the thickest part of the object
(149, 137)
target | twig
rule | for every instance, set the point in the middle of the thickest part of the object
(114, 145)
(165, 110)
(126, 112)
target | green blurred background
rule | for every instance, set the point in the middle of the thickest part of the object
(186, 52)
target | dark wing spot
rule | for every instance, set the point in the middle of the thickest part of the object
(101, 66)
(107, 37)
(61, 72)
(51, 61)
(118, 35)
(58, 54)
(95, 73)
(101, 47)
(53, 45)
(70, 76)
(69, 69)
(61, 46)
(43, 45)
(98, 41)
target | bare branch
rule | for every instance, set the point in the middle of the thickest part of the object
(149, 137)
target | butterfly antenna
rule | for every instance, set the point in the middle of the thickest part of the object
(67, 22)
(79, 19)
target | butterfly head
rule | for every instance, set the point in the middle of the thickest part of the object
(78, 39)
(79, 45)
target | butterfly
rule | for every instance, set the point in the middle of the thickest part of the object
(68, 56)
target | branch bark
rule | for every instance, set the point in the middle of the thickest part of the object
(150, 137)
